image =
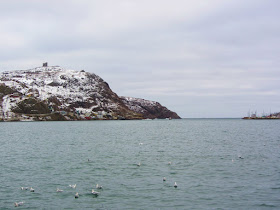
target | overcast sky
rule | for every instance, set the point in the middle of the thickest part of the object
(199, 58)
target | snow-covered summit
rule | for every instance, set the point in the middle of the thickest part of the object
(53, 80)
(50, 90)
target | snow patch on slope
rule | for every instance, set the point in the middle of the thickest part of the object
(138, 104)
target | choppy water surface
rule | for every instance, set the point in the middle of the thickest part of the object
(204, 156)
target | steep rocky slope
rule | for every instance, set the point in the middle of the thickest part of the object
(54, 93)
(149, 109)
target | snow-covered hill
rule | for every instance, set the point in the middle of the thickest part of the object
(54, 93)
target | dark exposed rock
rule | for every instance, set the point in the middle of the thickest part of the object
(5, 90)
(31, 106)
(54, 84)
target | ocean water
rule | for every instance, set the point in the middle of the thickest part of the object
(204, 155)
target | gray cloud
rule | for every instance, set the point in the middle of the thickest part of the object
(199, 58)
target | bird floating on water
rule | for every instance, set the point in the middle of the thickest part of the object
(169, 163)
(24, 188)
(73, 185)
(175, 185)
(19, 203)
(94, 192)
(32, 190)
(140, 143)
(77, 195)
(98, 186)
(58, 190)
(164, 179)
(139, 164)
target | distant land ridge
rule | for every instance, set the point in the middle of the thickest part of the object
(53, 93)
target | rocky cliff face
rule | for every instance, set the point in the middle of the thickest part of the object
(149, 109)
(54, 93)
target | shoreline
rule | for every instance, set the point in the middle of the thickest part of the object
(249, 118)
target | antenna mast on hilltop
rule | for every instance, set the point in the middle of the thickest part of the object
(249, 113)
